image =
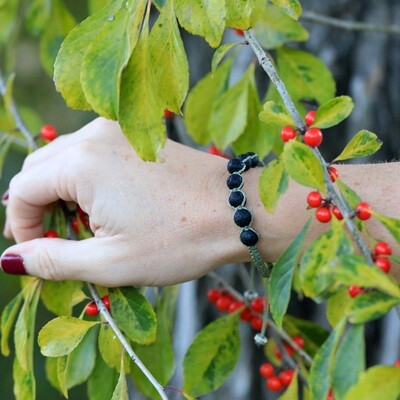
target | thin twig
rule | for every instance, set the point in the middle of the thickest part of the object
(106, 315)
(229, 288)
(349, 25)
(269, 68)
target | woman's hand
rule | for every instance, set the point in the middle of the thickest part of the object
(153, 223)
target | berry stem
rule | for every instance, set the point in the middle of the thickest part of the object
(106, 315)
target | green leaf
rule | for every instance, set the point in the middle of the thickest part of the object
(202, 17)
(59, 297)
(333, 112)
(24, 382)
(220, 53)
(51, 372)
(273, 184)
(37, 16)
(200, 102)
(204, 371)
(8, 21)
(5, 144)
(291, 393)
(8, 316)
(238, 13)
(97, 5)
(303, 166)
(168, 60)
(377, 382)
(229, 115)
(62, 22)
(321, 368)
(349, 362)
(349, 194)
(121, 390)
(102, 381)
(316, 271)
(68, 65)
(337, 306)
(391, 224)
(353, 270)
(103, 62)
(370, 306)
(62, 375)
(134, 314)
(139, 97)
(62, 335)
(280, 284)
(275, 113)
(273, 27)
(110, 347)
(291, 7)
(364, 143)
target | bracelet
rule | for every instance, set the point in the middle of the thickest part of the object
(237, 200)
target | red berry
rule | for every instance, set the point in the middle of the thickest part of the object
(235, 305)
(168, 114)
(239, 32)
(213, 295)
(274, 384)
(214, 150)
(383, 263)
(246, 315)
(278, 353)
(223, 303)
(336, 212)
(257, 304)
(267, 370)
(51, 233)
(363, 211)
(286, 377)
(330, 395)
(289, 350)
(382, 249)
(314, 199)
(323, 214)
(310, 117)
(299, 341)
(354, 290)
(91, 309)
(313, 137)
(333, 173)
(75, 225)
(256, 323)
(397, 363)
(48, 133)
(288, 133)
(84, 218)
(106, 301)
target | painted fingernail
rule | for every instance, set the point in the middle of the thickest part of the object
(13, 264)
(4, 198)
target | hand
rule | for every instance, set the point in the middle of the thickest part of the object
(153, 223)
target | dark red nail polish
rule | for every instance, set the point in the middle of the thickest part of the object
(13, 264)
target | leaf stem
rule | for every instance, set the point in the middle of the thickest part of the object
(128, 348)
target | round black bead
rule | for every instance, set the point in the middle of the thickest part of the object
(234, 181)
(243, 157)
(249, 237)
(235, 165)
(237, 198)
(254, 161)
(242, 217)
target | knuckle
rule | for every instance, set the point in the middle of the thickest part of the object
(48, 268)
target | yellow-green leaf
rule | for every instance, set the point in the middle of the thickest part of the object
(205, 371)
(303, 166)
(291, 7)
(273, 27)
(121, 390)
(333, 112)
(337, 306)
(274, 113)
(103, 62)
(8, 316)
(8, 20)
(219, 54)
(200, 102)
(24, 382)
(238, 13)
(364, 143)
(110, 347)
(102, 381)
(168, 60)
(391, 224)
(202, 17)
(62, 335)
(377, 383)
(96, 5)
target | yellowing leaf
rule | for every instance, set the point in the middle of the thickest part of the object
(62, 335)
(121, 390)
(238, 13)
(24, 382)
(291, 7)
(8, 316)
(168, 60)
(333, 112)
(202, 17)
(274, 113)
(110, 347)
(220, 53)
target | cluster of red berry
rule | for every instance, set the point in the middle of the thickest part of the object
(226, 302)
(92, 309)
(275, 381)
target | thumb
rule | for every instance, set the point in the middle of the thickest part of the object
(59, 259)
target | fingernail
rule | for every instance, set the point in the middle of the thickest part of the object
(13, 264)
(4, 198)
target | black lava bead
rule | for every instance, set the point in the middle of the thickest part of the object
(242, 217)
(249, 237)
(237, 198)
(235, 165)
(234, 181)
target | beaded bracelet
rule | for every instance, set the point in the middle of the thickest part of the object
(237, 200)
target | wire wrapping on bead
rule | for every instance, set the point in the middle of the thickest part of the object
(237, 200)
